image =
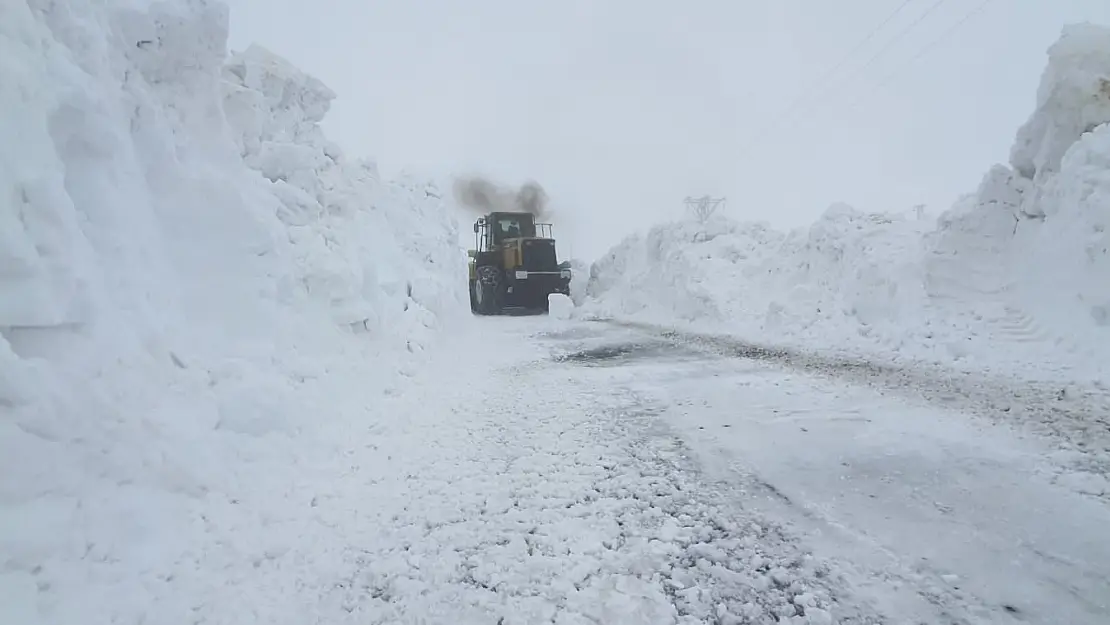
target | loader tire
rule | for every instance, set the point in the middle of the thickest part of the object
(489, 290)
(473, 296)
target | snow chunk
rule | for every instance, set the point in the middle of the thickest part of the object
(1073, 98)
(560, 306)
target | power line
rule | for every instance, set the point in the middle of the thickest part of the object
(890, 44)
(803, 98)
(951, 30)
(920, 18)
(938, 41)
(863, 42)
(920, 53)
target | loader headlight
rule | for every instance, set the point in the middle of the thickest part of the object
(521, 275)
(565, 274)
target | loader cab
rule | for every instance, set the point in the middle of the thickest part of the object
(510, 241)
(494, 229)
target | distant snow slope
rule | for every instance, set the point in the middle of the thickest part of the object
(1015, 275)
(199, 297)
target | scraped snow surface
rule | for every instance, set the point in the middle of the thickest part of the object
(905, 483)
(1015, 276)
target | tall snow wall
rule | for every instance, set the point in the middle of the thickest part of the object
(1021, 263)
(199, 295)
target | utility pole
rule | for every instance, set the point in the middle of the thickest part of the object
(703, 207)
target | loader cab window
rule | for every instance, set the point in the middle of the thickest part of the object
(509, 228)
(512, 226)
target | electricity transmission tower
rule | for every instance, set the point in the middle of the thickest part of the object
(703, 207)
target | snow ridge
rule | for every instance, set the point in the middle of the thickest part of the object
(189, 274)
(1013, 274)
(377, 267)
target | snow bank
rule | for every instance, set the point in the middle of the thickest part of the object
(1016, 273)
(1072, 99)
(580, 275)
(198, 296)
(382, 255)
(849, 274)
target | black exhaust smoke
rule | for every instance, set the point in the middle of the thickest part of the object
(482, 196)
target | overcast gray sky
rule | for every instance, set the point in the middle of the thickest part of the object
(621, 108)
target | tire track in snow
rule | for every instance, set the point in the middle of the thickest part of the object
(547, 497)
(915, 585)
(649, 360)
(1076, 419)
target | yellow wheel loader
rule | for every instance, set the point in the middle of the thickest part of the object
(513, 266)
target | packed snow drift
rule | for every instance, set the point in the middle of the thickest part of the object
(189, 272)
(1017, 273)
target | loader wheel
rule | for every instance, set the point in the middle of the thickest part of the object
(488, 290)
(473, 301)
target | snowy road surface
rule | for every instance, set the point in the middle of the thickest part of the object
(529, 490)
(582, 473)
(933, 515)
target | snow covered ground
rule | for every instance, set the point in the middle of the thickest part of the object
(238, 383)
(1013, 278)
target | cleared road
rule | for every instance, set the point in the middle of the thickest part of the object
(938, 498)
(582, 473)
